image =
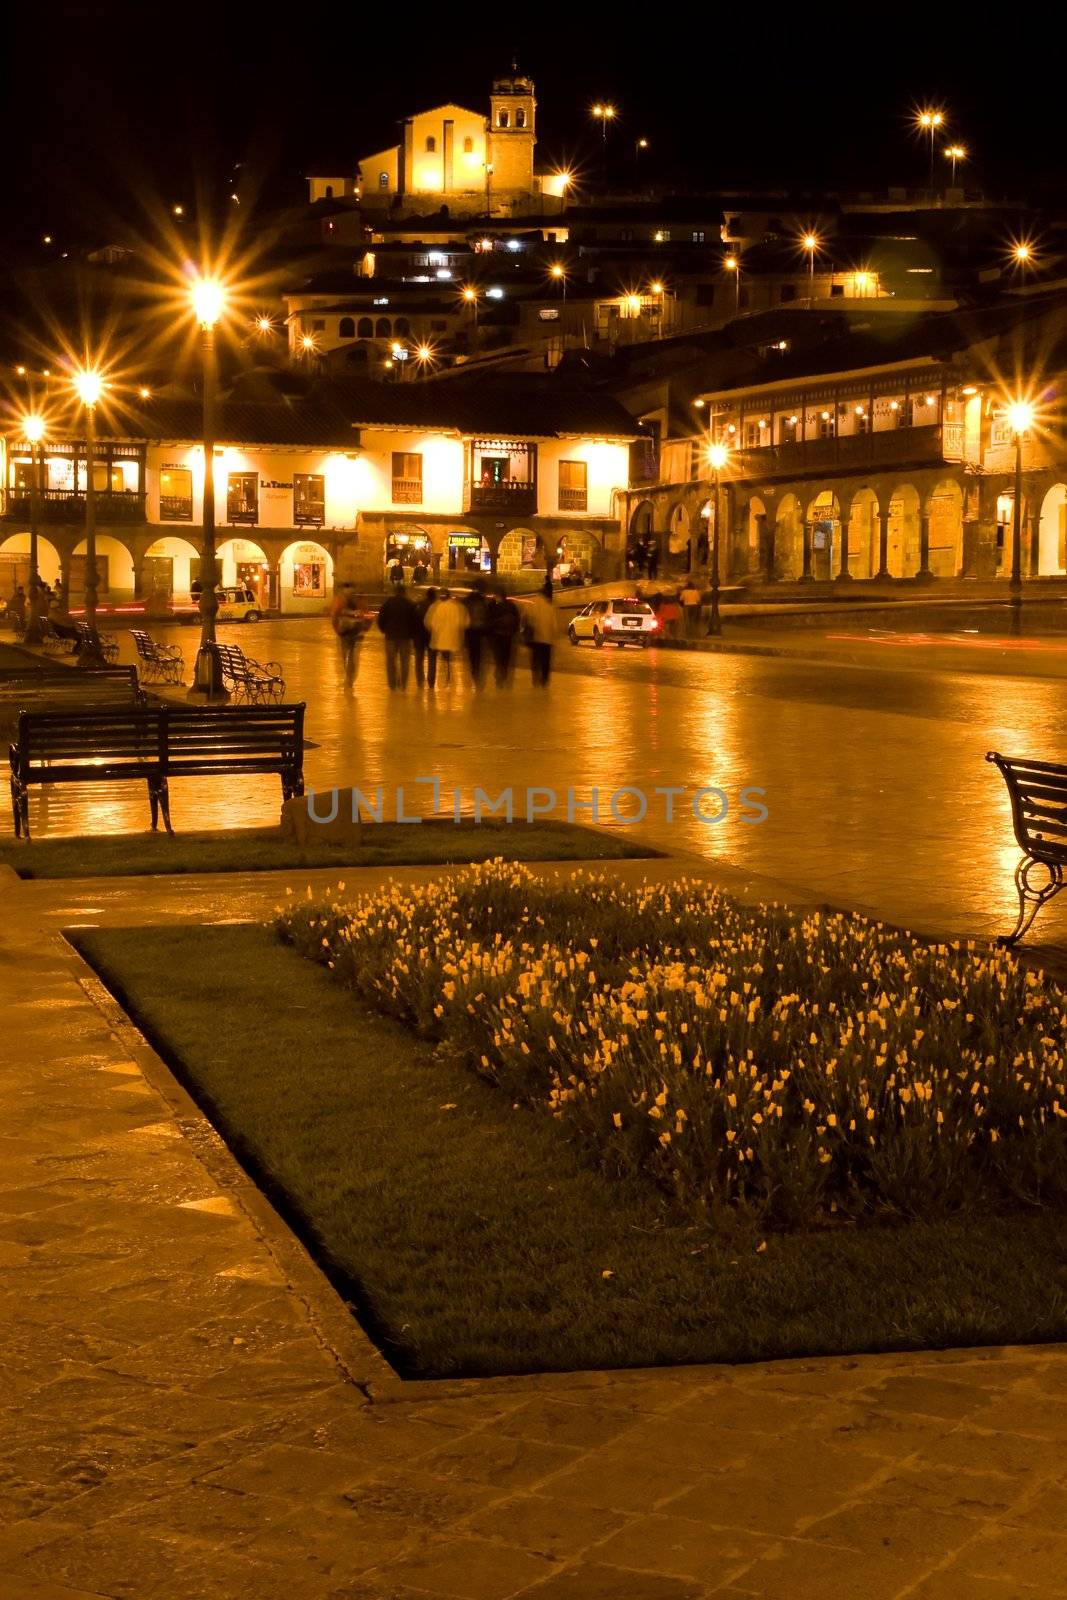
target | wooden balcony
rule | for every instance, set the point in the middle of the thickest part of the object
(62, 505)
(407, 491)
(309, 514)
(512, 498)
(574, 499)
(860, 452)
(175, 508)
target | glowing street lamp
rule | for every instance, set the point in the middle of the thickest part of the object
(264, 325)
(470, 297)
(89, 386)
(33, 433)
(810, 243)
(733, 264)
(558, 272)
(207, 297)
(1020, 420)
(603, 112)
(955, 153)
(928, 121)
(718, 456)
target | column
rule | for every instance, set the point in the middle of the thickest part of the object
(883, 541)
(766, 546)
(924, 572)
(805, 576)
(138, 577)
(1033, 531)
(843, 574)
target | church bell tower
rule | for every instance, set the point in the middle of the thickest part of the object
(512, 114)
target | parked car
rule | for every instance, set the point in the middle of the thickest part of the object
(618, 622)
(238, 605)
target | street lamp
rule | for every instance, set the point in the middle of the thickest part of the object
(810, 243)
(208, 300)
(1020, 420)
(33, 432)
(640, 146)
(558, 272)
(88, 386)
(604, 113)
(928, 121)
(955, 153)
(733, 264)
(470, 296)
(718, 456)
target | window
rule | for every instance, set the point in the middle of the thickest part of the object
(242, 497)
(827, 425)
(346, 328)
(309, 498)
(788, 291)
(520, 118)
(383, 180)
(402, 327)
(309, 580)
(502, 119)
(836, 290)
(176, 495)
(365, 329)
(329, 191)
(787, 430)
(318, 325)
(383, 328)
(431, 144)
(697, 236)
(573, 485)
(468, 147)
(407, 478)
(626, 235)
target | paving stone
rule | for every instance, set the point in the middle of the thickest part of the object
(683, 1548)
(471, 1569)
(797, 1570)
(925, 1395)
(592, 1581)
(490, 1458)
(291, 1470)
(545, 1526)
(1021, 1555)
(579, 1425)
(778, 1492)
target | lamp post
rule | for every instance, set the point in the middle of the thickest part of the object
(33, 431)
(1020, 417)
(208, 300)
(604, 113)
(955, 153)
(811, 245)
(558, 272)
(929, 121)
(733, 264)
(640, 146)
(718, 455)
(470, 296)
(88, 386)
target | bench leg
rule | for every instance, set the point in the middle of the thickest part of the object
(20, 806)
(1031, 899)
(164, 802)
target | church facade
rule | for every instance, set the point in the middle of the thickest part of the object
(472, 163)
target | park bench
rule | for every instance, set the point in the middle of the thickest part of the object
(157, 663)
(1038, 794)
(58, 640)
(109, 645)
(43, 688)
(155, 743)
(254, 681)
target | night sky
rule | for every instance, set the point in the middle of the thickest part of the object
(109, 105)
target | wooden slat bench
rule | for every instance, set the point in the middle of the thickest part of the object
(254, 681)
(155, 743)
(1038, 794)
(109, 645)
(42, 688)
(157, 663)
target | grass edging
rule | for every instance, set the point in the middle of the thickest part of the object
(469, 1237)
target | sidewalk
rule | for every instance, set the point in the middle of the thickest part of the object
(189, 1413)
(851, 644)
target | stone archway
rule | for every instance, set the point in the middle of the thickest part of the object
(243, 561)
(944, 511)
(523, 559)
(678, 534)
(15, 563)
(864, 532)
(824, 523)
(902, 558)
(1052, 533)
(168, 568)
(114, 571)
(789, 539)
(751, 560)
(305, 577)
(577, 556)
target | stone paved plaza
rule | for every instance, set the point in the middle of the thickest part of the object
(190, 1414)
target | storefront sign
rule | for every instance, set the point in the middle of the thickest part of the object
(464, 541)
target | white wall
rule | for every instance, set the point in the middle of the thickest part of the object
(274, 467)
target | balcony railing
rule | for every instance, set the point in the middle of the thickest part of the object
(309, 514)
(573, 499)
(407, 491)
(63, 505)
(242, 515)
(516, 498)
(175, 508)
(803, 457)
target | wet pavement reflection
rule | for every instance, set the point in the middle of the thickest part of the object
(876, 789)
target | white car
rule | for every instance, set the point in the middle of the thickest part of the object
(238, 605)
(618, 622)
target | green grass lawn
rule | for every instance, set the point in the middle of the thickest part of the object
(260, 849)
(470, 1237)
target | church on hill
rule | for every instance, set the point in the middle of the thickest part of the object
(471, 163)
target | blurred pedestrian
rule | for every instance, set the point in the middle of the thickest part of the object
(691, 601)
(396, 573)
(421, 572)
(348, 625)
(46, 598)
(652, 557)
(446, 622)
(16, 609)
(670, 615)
(502, 631)
(477, 622)
(397, 619)
(540, 633)
(420, 637)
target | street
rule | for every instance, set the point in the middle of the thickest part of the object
(876, 790)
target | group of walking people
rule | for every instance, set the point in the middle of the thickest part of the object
(15, 612)
(436, 633)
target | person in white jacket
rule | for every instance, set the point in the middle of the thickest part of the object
(540, 634)
(446, 623)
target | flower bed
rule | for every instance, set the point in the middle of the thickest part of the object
(798, 1067)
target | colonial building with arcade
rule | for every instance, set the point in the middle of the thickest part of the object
(519, 476)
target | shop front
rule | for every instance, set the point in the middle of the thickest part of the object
(306, 578)
(468, 553)
(410, 550)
